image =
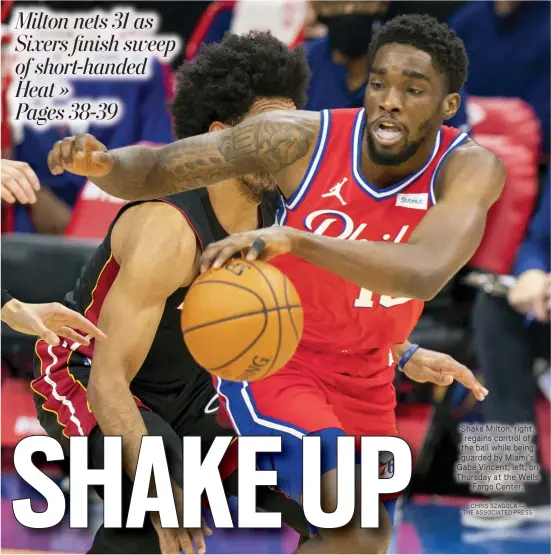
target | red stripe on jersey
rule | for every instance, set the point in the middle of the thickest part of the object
(105, 279)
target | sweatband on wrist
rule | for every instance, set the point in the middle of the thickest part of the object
(407, 355)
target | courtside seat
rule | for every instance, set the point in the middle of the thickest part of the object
(509, 217)
(506, 117)
(93, 213)
(509, 128)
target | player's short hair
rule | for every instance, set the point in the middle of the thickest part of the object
(225, 79)
(429, 35)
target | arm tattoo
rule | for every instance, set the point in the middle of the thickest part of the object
(265, 143)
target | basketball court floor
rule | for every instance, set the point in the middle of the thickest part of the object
(426, 525)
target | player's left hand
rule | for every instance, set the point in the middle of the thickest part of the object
(441, 369)
(261, 244)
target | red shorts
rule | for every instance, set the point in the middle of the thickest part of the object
(315, 392)
(62, 386)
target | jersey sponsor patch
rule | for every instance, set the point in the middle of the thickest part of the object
(417, 201)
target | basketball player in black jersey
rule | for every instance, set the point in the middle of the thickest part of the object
(141, 379)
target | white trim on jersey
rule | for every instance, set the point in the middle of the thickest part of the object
(455, 143)
(56, 395)
(314, 164)
(228, 409)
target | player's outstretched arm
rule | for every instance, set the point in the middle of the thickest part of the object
(469, 183)
(152, 243)
(272, 142)
(426, 366)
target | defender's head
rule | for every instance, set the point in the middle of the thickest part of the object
(417, 67)
(240, 77)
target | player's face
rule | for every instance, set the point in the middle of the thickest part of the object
(254, 185)
(405, 102)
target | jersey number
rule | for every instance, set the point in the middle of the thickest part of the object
(365, 300)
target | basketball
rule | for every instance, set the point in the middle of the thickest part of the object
(242, 322)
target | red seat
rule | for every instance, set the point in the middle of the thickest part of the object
(510, 129)
(93, 213)
(506, 117)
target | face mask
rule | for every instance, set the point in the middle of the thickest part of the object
(351, 34)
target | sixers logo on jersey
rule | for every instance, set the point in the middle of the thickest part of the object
(336, 224)
(386, 465)
(340, 225)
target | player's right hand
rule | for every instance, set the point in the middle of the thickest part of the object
(82, 154)
(441, 369)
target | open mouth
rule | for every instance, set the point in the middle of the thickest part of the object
(387, 132)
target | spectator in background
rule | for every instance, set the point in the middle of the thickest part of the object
(339, 61)
(440, 10)
(509, 334)
(508, 46)
(145, 118)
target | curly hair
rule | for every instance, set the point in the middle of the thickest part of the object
(429, 35)
(225, 79)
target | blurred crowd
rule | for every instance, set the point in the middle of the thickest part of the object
(508, 43)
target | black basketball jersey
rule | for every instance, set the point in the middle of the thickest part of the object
(168, 365)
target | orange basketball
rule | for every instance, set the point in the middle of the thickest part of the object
(242, 322)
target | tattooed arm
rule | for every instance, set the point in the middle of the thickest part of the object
(278, 142)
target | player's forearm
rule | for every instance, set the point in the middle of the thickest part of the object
(265, 143)
(118, 415)
(400, 270)
(131, 173)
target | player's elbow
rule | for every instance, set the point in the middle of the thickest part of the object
(100, 391)
(425, 283)
(95, 392)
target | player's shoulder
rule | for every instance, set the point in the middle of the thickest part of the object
(155, 230)
(158, 214)
(473, 171)
(473, 156)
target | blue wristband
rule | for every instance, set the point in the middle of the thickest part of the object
(407, 355)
